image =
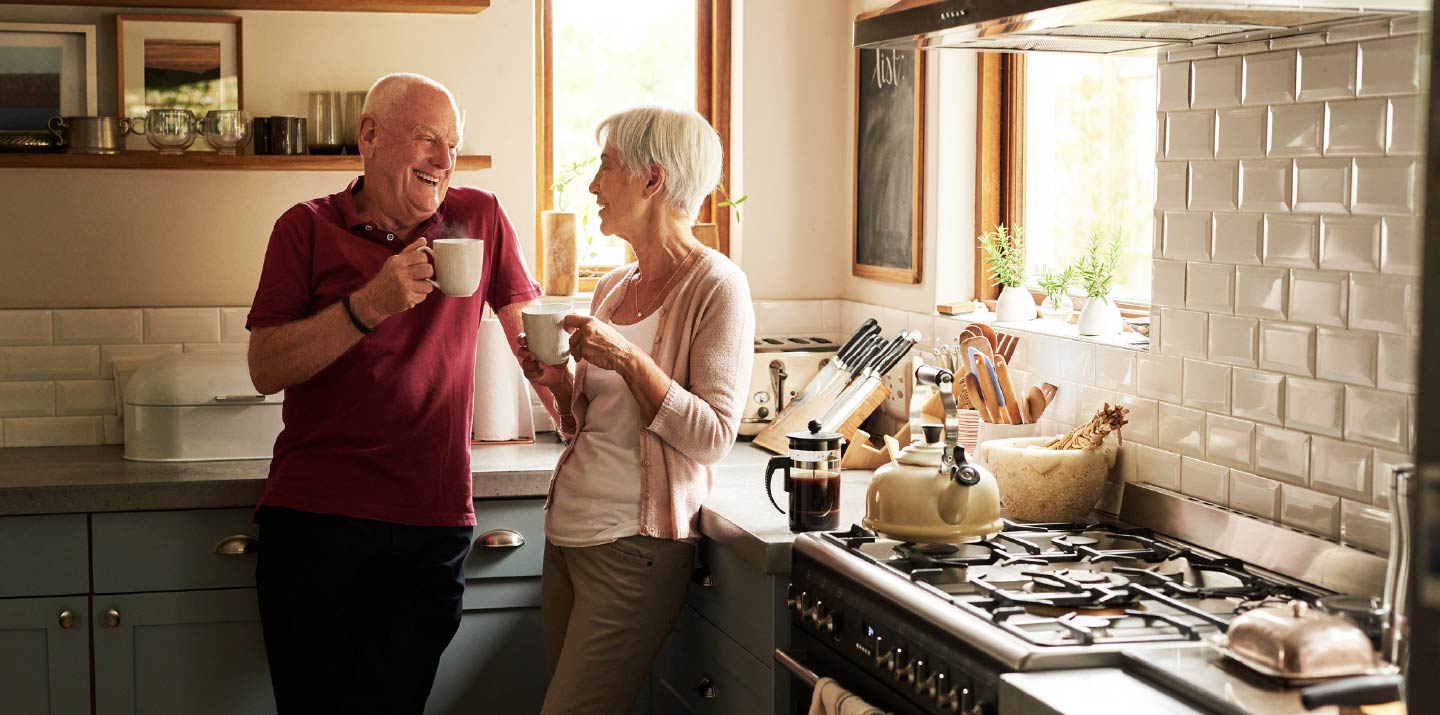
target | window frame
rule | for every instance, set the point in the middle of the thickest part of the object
(1000, 165)
(712, 99)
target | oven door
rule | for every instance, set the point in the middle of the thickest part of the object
(808, 660)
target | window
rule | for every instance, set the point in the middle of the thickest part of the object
(669, 55)
(1071, 147)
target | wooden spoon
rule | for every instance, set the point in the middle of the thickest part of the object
(1036, 403)
(977, 398)
(989, 334)
(1007, 388)
(1049, 391)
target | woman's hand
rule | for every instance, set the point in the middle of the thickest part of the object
(552, 377)
(599, 344)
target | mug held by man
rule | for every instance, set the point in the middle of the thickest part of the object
(459, 265)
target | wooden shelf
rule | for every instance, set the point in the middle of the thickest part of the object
(205, 161)
(449, 7)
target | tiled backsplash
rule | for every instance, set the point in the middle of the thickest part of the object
(57, 383)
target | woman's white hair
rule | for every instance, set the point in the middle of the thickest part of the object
(678, 139)
(390, 92)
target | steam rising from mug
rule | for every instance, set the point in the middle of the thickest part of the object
(459, 264)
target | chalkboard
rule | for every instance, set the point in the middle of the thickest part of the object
(889, 161)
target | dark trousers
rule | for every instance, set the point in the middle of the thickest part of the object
(356, 612)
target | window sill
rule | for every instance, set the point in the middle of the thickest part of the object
(1053, 328)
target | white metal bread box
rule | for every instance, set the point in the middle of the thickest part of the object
(198, 407)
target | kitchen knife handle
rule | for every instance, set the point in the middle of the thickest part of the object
(863, 332)
(896, 356)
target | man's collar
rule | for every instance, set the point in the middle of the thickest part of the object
(350, 214)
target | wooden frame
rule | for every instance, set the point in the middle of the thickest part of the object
(712, 100)
(913, 272)
(70, 40)
(129, 27)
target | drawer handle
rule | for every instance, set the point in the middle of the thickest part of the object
(702, 577)
(501, 539)
(239, 398)
(67, 619)
(237, 545)
(706, 687)
(112, 617)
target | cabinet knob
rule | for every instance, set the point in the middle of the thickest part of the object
(237, 545)
(112, 617)
(67, 619)
(706, 687)
(501, 539)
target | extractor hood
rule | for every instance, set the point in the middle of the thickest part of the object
(1105, 26)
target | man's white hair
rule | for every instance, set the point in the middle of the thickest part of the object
(389, 93)
(679, 140)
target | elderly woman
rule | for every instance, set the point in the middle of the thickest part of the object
(652, 402)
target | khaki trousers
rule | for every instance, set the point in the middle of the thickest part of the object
(607, 610)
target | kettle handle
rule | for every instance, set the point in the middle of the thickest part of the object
(55, 125)
(770, 467)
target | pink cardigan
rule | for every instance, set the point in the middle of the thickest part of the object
(705, 342)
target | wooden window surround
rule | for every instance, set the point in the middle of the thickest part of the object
(1000, 164)
(712, 100)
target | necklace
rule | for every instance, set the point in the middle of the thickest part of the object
(635, 278)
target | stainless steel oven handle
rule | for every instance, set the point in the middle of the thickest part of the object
(796, 668)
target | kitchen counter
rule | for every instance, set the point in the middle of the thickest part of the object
(57, 480)
(1087, 691)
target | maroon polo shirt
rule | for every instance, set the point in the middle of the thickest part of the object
(384, 431)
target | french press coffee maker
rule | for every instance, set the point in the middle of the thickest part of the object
(812, 478)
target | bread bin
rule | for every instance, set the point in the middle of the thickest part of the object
(192, 408)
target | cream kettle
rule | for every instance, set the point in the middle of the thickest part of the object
(931, 494)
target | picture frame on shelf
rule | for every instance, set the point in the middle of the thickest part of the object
(46, 70)
(189, 62)
(889, 165)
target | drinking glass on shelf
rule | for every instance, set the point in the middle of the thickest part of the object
(354, 105)
(226, 130)
(169, 130)
(325, 123)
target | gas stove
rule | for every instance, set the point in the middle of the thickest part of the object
(929, 628)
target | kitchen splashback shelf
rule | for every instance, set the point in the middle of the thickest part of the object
(206, 161)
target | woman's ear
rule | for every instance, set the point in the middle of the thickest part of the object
(654, 180)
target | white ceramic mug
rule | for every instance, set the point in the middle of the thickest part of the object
(459, 264)
(545, 333)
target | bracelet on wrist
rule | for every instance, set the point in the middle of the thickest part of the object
(355, 319)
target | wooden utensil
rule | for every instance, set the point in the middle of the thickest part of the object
(1006, 348)
(989, 334)
(977, 397)
(1007, 389)
(1049, 391)
(1035, 403)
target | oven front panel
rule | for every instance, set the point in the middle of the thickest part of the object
(843, 621)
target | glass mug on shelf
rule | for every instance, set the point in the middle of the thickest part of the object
(226, 130)
(169, 130)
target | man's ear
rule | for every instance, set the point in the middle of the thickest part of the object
(367, 134)
(654, 180)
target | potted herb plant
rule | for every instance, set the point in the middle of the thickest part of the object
(1096, 273)
(708, 234)
(1005, 252)
(560, 230)
(1056, 286)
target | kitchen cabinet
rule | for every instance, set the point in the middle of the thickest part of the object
(44, 624)
(719, 659)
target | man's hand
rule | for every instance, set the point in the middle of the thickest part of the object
(399, 286)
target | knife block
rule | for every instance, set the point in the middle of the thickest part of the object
(797, 418)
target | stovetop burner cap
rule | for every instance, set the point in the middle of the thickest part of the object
(929, 549)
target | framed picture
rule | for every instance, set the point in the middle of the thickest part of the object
(889, 164)
(177, 61)
(45, 71)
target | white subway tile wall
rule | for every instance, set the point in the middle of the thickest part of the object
(57, 382)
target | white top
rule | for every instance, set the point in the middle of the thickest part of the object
(597, 491)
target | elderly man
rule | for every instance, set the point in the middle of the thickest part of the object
(366, 516)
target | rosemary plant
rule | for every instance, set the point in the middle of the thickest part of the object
(1005, 252)
(1096, 268)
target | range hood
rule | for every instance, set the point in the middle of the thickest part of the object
(1105, 26)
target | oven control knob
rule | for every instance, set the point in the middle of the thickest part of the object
(904, 667)
(830, 623)
(951, 699)
(925, 681)
(884, 660)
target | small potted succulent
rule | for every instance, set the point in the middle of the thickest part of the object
(1004, 250)
(1056, 286)
(1096, 273)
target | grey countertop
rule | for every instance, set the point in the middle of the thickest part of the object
(57, 480)
(1088, 691)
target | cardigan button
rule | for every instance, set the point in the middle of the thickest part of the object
(645, 463)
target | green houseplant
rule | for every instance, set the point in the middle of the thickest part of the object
(560, 231)
(1056, 286)
(1096, 274)
(1004, 251)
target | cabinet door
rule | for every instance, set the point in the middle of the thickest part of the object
(180, 653)
(496, 663)
(701, 670)
(45, 656)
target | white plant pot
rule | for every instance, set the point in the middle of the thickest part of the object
(1015, 304)
(1100, 316)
